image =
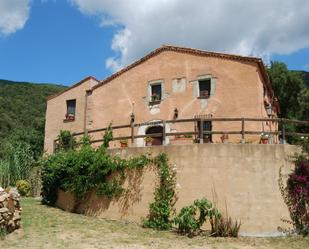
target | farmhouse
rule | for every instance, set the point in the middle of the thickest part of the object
(168, 85)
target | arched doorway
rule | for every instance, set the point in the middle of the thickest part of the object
(154, 130)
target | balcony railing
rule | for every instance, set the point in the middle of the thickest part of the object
(200, 133)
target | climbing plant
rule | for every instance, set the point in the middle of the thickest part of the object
(82, 170)
(162, 208)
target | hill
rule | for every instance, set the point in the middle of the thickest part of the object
(304, 75)
(22, 108)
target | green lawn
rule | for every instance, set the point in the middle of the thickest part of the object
(51, 228)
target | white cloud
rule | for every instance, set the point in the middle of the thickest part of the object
(13, 15)
(306, 67)
(248, 27)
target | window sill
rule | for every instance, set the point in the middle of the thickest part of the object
(203, 97)
(68, 120)
(156, 102)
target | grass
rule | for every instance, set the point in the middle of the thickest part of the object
(51, 228)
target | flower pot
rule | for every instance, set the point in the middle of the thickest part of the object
(148, 143)
(264, 140)
(123, 145)
(225, 138)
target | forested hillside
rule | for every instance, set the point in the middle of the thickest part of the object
(305, 76)
(22, 114)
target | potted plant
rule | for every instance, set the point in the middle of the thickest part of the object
(148, 141)
(123, 143)
(155, 97)
(69, 116)
(264, 138)
(225, 138)
(196, 140)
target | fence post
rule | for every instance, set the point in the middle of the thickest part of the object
(164, 132)
(132, 133)
(54, 146)
(201, 135)
(283, 132)
(242, 130)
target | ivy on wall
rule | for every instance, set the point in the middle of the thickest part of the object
(162, 208)
(83, 169)
(80, 171)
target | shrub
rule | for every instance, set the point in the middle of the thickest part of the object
(186, 221)
(108, 136)
(82, 170)
(296, 192)
(66, 141)
(191, 218)
(85, 140)
(23, 187)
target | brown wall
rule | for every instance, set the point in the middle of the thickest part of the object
(238, 93)
(57, 108)
(243, 178)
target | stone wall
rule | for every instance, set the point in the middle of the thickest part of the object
(10, 210)
(242, 178)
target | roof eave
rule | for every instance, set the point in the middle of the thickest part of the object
(71, 87)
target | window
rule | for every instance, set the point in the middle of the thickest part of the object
(156, 93)
(207, 126)
(204, 88)
(71, 108)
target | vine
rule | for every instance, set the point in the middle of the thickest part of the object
(162, 208)
(80, 170)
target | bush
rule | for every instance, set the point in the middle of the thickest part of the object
(85, 169)
(108, 136)
(186, 221)
(296, 192)
(191, 218)
(66, 140)
(23, 187)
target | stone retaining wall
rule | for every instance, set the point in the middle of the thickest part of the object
(242, 178)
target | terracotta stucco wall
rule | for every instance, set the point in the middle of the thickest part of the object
(57, 108)
(238, 93)
(243, 178)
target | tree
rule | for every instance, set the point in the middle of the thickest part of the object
(288, 88)
(292, 94)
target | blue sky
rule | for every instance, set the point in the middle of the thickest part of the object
(63, 41)
(58, 44)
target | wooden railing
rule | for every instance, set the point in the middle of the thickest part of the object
(199, 134)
